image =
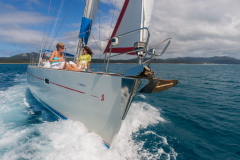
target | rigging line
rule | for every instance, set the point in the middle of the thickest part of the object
(99, 41)
(46, 20)
(100, 37)
(112, 19)
(99, 26)
(61, 23)
(96, 43)
(88, 43)
(111, 23)
(65, 37)
(51, 23)
(70, 36)
(126, 68)
(94, 18)
(79, 35)
(161, 43)
(59, 12)
(97, 46)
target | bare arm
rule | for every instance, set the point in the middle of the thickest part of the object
(51, 57)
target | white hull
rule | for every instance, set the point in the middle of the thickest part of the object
(99, 101)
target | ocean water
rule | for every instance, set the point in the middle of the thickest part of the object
(197, 119)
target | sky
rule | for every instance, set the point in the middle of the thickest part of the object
(199, 28)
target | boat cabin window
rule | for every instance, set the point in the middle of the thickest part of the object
(46, 81)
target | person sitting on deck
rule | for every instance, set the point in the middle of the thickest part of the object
(57, 59)
(44, 57)
(85, 59)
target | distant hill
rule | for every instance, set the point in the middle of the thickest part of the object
(182, 60)
(20, 58)
(216, 60)
(25, 58)
(26, 55)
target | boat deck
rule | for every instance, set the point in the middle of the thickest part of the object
(102, 73)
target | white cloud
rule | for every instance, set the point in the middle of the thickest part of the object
(34, 1)
(199, 28)
(19, 17)
(6, 7)
(106, 28)
(20, 35)
(119, 3)
(14, 30)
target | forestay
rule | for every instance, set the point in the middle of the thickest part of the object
(89, 15)
(135, 14)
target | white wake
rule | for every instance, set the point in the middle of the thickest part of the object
(21, 138)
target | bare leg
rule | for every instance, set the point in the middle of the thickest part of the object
(72, 68)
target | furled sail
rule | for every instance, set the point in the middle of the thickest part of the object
(135, 14)
(89, 15)
(90, 12)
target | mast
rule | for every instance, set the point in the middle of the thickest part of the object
(90, 11)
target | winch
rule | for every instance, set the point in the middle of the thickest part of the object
(140, 45)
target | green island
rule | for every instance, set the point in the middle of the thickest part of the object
(25, 58)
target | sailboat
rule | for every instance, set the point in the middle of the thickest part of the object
(101, 100)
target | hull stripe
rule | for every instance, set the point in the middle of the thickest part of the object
(55, 111)
(108, 145)
(35, 76)
(67, 88)
(63, 86)
(94, 96)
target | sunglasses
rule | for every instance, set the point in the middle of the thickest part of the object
(62, 47)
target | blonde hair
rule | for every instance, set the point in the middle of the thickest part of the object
(60, 45)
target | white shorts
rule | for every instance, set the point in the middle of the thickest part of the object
(58, 65)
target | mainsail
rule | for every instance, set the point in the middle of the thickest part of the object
(135, 14)
(89, 15)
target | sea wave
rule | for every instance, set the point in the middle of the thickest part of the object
(28, 131)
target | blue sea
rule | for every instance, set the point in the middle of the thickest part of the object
(199, 119)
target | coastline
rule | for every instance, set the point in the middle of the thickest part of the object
(15, 63)
(136, 63)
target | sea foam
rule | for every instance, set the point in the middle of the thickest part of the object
(27, 135)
